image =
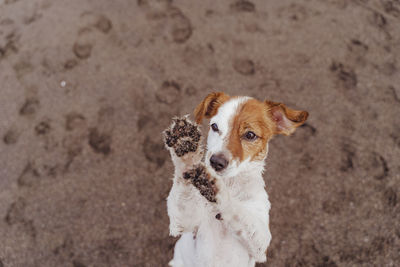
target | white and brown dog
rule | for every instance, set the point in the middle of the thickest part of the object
(220, 207)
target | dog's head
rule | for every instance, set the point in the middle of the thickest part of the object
(240, 128)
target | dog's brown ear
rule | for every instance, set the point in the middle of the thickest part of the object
(286, 119)
(209, 106)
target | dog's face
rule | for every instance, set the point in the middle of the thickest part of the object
(240, 128)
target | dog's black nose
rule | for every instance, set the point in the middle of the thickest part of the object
(218, 162)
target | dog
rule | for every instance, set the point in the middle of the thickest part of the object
(218, 205)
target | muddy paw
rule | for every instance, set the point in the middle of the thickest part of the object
(202, 181)
(183, 136)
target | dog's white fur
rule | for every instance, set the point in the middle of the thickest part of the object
(242, 236)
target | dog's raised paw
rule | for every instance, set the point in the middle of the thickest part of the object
(203, 181)
(183, 136)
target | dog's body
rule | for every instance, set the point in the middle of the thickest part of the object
(221, 208)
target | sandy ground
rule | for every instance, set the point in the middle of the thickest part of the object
(86, 87)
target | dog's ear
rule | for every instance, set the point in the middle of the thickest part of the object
(209, 106)
(286, 119)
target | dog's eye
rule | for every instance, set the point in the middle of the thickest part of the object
(214, 127)
(250, 136)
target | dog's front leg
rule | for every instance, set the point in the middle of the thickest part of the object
(182, 139)
(248, 220)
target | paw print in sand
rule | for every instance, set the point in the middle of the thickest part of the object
(202, 181)
(183, 136)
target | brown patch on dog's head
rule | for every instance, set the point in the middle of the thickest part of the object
(261, 120)
(209, 106)
(252, 117)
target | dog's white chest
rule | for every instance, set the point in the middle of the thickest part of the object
(213, 246)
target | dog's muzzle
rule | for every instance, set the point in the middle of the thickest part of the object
(218, 162)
